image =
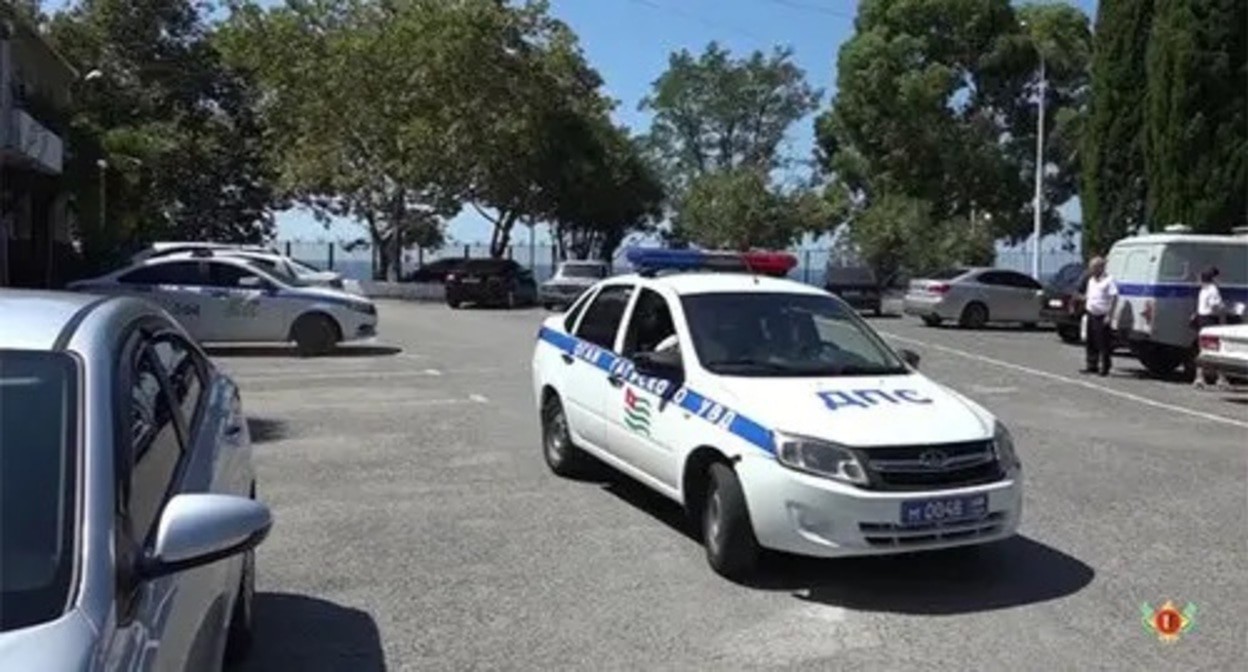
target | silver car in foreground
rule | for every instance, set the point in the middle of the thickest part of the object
(128, 511)
(973, 297)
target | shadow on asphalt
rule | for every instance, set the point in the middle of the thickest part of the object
(264, 430)
(290, 351)
(1010, 573)
(297, 632)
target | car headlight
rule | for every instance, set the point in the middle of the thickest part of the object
(821, 458)
(1003, 444)
(366, 308)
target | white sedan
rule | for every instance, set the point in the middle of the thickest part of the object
(229, 299)
(773, 413)
(1224, 349)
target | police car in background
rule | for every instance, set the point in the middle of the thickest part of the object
(225, 298)
(772, 412)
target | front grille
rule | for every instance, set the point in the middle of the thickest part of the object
(918, 467)
(890, 534)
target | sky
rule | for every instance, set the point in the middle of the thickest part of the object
(629, 42)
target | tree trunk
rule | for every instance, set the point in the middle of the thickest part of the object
(501, 236)
(378, 247)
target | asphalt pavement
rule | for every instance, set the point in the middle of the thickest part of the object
(417, 527)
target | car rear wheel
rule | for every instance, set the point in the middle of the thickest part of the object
(241, 634)
(1068, 333)
(731, 547)
(563, 456)
(974, 316)
(315, 335)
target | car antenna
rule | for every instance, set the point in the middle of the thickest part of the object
(750, 267)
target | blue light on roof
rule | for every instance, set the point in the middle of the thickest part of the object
(650, 258)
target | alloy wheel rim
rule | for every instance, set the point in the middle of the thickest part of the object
(555, 437)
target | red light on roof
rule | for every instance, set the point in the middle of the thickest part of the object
(770, 263)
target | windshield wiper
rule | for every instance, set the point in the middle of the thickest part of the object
(749, 363)
(859, 370)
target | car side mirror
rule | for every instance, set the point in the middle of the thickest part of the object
(911, 357)
(200, 529)
(666, 364)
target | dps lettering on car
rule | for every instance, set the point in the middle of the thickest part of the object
(867, 398)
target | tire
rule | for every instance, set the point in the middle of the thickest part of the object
(563, 456)
(241, 632)
(931, 320)
(974, 316)
(879, 311)
(453, 304)
(1158, 362)
(1068, 334)
(315, 335)
(731, 547)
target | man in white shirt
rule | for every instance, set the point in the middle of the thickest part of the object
(1101, 296)
(1209, 311)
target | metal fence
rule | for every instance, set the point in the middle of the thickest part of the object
(542, 259)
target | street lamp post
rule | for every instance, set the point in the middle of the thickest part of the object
(103, 166)
(1038, 203)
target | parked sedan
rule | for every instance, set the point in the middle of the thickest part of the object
(1060, 302)
(1224, 349)
(499, 282)
(128, 510)
(974, 297)
(570, 280)
(230, 299)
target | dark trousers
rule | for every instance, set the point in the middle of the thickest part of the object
(1100, 345)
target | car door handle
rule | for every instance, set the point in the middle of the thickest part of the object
(567, 359)
(615, 381)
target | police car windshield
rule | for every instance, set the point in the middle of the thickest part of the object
(778, 334)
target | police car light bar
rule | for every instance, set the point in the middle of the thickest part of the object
(649, 261)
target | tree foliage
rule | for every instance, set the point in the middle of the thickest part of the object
(1196, 155)
(1114, 185)
(936, 105)
(186, 155)
(717, 135)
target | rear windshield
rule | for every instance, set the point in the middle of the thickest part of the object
(947, 274)
(1184, 262)
(1067, 279)
(583, 271)
(486, 266)
(38, 470)
(851, 275)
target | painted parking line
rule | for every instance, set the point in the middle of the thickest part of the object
(1213, 417)
(270, 402)
(251, 377)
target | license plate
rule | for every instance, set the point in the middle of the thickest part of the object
(1055, 303)
(948, 509)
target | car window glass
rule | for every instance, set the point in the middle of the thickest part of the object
(186, 273)
(38, 474)
(583, 271)
(1135, 268)
(1020, 281)
(602, 317)
(574, 313)
(774, 334)
(229, 275)
(651, 323)
(156, 448)
(990, 278)
(184, 372)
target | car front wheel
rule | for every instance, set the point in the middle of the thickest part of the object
(314, 335)
(563, 456)
(731, 547)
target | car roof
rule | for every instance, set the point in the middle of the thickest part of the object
(720, 282)
(40, 317)
(1197, 238)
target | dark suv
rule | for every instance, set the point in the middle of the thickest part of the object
(857, 285)
(499, 282)
(1059, 303)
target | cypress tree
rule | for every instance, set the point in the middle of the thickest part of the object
(1113, 192)
(1196, 155)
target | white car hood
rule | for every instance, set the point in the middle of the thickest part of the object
(858, 411)
(328, 293)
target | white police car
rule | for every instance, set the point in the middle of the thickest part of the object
(227, 298)
(773, 413)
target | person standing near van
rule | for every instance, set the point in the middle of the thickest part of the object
(1209, 311)
(1100, 298)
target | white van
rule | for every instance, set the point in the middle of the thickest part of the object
(1158, 279)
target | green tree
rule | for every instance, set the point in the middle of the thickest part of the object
(936, 105)
(717, 134)
(186, 155)
(1197, 114)
(1114, 192)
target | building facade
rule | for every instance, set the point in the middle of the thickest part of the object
(35, 84)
